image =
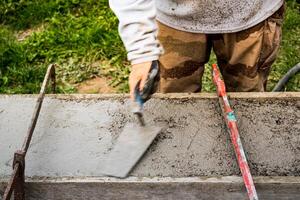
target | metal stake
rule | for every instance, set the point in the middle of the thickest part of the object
(17, 180)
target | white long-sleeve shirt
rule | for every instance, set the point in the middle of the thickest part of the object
(138, 28)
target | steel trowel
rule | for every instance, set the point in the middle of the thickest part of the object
(136, 137)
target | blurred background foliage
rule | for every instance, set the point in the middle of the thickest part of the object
(82, 37)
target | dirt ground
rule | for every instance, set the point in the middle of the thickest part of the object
(98, 85)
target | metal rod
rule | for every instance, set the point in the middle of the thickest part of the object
(16, 182)
(231, 124)
(11, 183)
(37, 108)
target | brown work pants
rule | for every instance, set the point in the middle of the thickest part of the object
(244, 57)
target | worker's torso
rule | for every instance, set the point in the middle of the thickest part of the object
(215, 16)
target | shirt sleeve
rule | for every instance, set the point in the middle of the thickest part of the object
(138, 29)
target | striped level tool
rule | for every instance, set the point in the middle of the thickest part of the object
(234, 133)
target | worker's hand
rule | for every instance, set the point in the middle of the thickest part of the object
(139, 72)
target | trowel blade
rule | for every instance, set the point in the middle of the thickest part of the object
(130, 146)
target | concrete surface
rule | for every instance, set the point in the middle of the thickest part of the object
(75, 132)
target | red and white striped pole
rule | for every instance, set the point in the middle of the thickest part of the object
(234, 134)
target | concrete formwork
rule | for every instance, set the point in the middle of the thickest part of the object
(191, 188)
(75, 132)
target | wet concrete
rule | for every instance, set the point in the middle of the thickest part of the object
(74, 133)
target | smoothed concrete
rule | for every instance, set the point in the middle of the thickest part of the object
(75, 132)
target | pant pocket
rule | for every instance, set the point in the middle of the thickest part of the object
(270, 43)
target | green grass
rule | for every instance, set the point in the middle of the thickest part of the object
(289, 54)
(75, 34)
(82, 37)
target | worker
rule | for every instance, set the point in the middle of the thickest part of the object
(245, 35)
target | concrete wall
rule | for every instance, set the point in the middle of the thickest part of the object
(75, 132)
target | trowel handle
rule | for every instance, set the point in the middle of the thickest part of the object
(140, 97)
(150, 86)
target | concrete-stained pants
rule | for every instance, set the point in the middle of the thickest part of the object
(244, 57)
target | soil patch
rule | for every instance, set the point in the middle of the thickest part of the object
(97, 85)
